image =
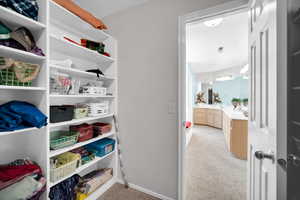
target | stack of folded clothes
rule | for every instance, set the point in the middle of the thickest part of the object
(21, 39)
(21, 179)
(28, 8)
(16, 115)
(92, 181)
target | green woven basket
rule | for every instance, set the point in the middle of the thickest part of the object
(8, 77)
(61, 139)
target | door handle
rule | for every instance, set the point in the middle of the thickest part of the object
(260, 155)
(282, 163)
(293, 159)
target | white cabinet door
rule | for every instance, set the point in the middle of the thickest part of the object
(262, 181)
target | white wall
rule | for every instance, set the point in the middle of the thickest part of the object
(148, 78)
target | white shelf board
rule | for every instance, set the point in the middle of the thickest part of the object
(19, 131)
(6, 87)
(80, 144)
(72, 23)
(77, 72)
(80, 96)
(77, 121)
(81, 168)
(16, 19)
(20, 55)
(98, 193)
(74, 50)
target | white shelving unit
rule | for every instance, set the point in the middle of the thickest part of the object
(54, 23)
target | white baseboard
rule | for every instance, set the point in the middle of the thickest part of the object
(146, 191)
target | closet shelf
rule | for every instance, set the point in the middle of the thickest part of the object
(81, 96)
(5, 87)
(78, 121)
(11, 17)
(77, 145)
(72, 23)
(83, 74)
(19, 131)
(74, 50)
(20, 55)
(102, 189)
(82, 168)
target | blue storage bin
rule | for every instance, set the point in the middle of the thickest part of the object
(102, 147)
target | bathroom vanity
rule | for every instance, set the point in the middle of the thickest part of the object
(235, 129)
(209, 115)
(233, 123)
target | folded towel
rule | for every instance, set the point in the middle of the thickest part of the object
(16, 115)
(9, 122)
(29, 113)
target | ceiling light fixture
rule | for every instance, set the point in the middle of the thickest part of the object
(224, 78)
(245, 69)
(213, 23)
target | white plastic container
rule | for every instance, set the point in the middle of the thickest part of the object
(94, 90)
(97, 109)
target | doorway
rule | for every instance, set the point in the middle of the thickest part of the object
(205, 154)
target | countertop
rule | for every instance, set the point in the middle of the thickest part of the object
(228, 110)
(234, 114)
(210, 106)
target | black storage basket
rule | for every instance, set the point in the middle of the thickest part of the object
(61, 113)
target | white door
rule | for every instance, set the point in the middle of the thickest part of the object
(262, 181)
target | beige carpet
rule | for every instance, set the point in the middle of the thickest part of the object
(118, 192)
(212, 172)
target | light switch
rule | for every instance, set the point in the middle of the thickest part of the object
(172, 108)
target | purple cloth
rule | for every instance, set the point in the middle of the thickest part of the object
(37, 51)
(14, 44)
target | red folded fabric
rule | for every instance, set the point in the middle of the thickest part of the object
(83, 14)
(8, 173)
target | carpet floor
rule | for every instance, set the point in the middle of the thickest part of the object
(118, 192)
(212, 173)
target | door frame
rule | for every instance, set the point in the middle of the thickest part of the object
(221, 9)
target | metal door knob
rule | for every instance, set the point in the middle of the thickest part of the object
(260, 155)
(294, 160)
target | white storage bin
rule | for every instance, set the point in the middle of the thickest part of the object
(96, 109)
(94, 90)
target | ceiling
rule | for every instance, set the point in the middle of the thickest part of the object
(102, 8)
(203, 43)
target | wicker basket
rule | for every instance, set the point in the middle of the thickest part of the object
(81, 111)
(19, 74)
(62, 171)
(61, 139)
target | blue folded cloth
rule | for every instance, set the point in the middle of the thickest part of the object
(16, 115)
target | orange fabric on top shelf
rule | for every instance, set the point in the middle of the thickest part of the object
(83, 14)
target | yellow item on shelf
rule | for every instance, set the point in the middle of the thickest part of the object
(66, 158)
(81, 196)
